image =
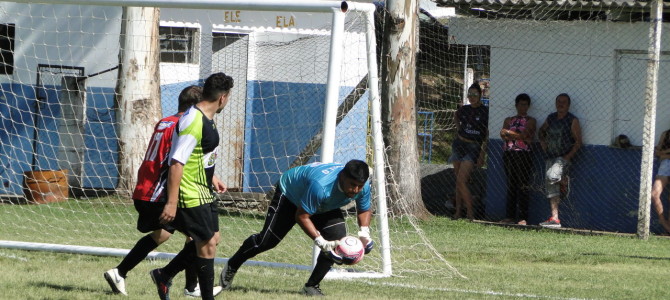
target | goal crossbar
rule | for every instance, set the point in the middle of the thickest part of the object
(258, 5)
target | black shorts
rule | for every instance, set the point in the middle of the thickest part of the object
(280, 218)
(200, 222)
(148, 214)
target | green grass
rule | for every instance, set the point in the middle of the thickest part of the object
(499, 263)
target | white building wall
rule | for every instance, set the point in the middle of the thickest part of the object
(88, 36)
(547, 58)
(83, 36)
(305, 61)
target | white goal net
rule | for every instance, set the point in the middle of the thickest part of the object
(60, 144)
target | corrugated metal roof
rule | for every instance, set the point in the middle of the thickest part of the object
(563, 4)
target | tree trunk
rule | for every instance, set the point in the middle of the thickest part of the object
(399, 106)
(137, 90)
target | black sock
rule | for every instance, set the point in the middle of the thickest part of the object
(185, 257)
(205, 269)
(323, 264)
(136, 255)
(191, 277)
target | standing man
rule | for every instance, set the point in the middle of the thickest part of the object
(560, 138)
(190, 185)
(311, 196)
(149, 199)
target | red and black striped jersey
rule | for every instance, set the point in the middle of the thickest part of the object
(153, 173)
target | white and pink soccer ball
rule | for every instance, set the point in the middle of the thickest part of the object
(351, 250)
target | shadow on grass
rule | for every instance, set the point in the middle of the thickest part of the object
(628, 256)
(246, 290)
(69, 288)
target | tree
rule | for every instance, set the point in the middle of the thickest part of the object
(137, 90)
(398, 66)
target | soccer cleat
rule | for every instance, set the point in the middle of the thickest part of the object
(162, 286)
(312, 291)
(216, 290)
(227, 276)
(196, 292)
(551, 223)
(116, 282)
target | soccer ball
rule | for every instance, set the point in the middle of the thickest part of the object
(351, 250)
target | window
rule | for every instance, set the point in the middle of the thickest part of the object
(178, 45)
(222, 40)
(7, 48)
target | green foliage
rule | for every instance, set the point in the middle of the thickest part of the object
(499, 263)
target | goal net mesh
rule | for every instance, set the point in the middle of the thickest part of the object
(60, 150)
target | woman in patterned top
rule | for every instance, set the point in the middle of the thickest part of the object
(662, 150)
(518, 133)
(469, 146)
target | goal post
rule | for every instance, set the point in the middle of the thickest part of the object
(293, 63)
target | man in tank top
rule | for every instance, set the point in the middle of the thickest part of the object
(560, 138)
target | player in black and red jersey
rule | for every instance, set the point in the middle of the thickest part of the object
(149, 198)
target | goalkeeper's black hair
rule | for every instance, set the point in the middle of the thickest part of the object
(189, 97)
(216, 85)
(357, 170)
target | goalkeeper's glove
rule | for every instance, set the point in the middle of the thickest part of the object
(334, 256)
(364, 236)
(325, 246)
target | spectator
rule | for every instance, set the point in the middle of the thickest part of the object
(560, 138)
(662, 150)
(469, 146)
(518, 133)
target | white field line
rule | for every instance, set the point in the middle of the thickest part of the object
(453, 290)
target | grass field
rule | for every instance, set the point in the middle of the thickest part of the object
(499, 263)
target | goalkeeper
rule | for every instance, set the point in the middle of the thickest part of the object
(311, 195)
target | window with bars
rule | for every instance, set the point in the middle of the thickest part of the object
(178, 44)
(7, 32)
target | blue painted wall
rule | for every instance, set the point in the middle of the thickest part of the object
(604, 185)
(281, 119)
(21, 126)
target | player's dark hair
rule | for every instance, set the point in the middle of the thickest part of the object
(357, 170)
(522, 97)
(189, 96)
(476, 87)
(564, 95)
(216, 85)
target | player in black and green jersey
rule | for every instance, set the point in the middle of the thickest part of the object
(190, 183)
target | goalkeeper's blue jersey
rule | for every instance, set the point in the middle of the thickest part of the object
(314, 188)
